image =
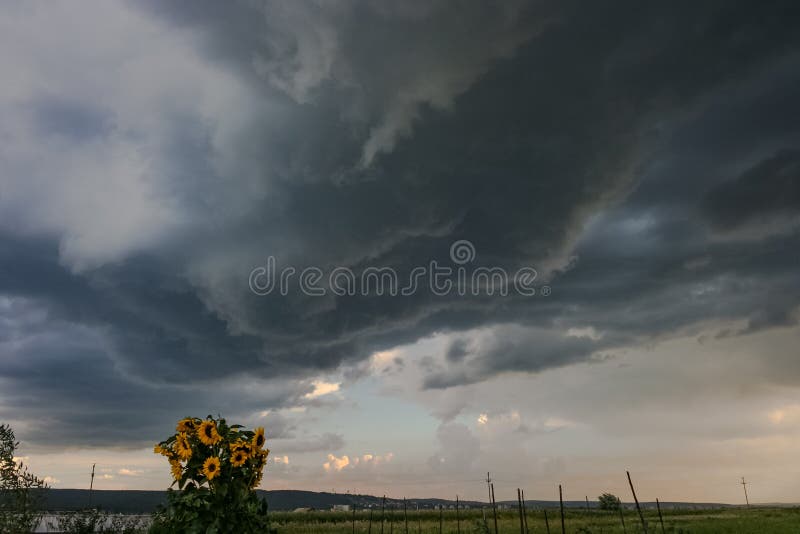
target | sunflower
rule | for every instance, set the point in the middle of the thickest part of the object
(186, 425)
(240, 445)
(158, 449)
(182, 446)
(211, 467)
(260, 459)
(258, 439)
(176, 468)
(207, 432)
(238, 458)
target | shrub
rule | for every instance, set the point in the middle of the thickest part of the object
(21, 493)
(609, 502)
(216, 468)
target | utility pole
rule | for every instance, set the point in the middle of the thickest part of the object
(91, 486)
(744, 486)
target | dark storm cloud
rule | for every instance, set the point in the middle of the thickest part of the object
(64, 385)
(769, 189)
(457, 350)
(511, 349)
(594, 143)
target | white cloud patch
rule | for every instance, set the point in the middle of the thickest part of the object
(365, 461)
(588, 331)
(786, 415)
(86, 148)
(322, 388)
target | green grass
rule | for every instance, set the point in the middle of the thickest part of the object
(732, 520)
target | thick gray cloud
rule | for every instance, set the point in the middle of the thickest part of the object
(614, 148)
(507, 349)
(770, 189)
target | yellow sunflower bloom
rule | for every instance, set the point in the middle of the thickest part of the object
(163, 451)
(240, 445)
(258, 439)
(207, 432)
(182, 446)
(211, 467)
(186, 425)
(238, 458)
(176, 468)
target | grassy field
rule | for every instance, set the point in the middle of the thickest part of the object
(732, 520)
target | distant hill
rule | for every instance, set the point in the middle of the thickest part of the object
(138, 501)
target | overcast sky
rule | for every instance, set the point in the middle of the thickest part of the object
(643, 158)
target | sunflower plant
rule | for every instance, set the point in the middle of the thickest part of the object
(215, 469)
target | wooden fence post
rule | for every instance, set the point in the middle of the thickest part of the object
(494, 509)
(524, 512)
(546, 522)
(660, 517)
(458, 518)
(561, 504)
(405, 513)
(383, 512)
(519, 506)
(638, 508)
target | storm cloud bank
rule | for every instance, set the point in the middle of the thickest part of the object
(643, 158)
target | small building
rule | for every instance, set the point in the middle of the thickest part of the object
(340, 507)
